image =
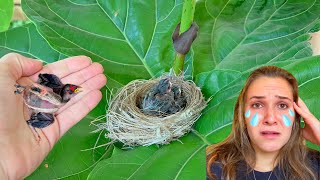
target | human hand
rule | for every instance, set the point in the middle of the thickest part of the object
(311, 130)
(21, 151)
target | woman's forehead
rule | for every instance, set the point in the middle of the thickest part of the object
(269, 87)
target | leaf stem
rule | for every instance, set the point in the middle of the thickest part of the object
(186, 21)
(201, 137)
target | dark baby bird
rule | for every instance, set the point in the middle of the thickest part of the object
(45, 97)
(163, 99)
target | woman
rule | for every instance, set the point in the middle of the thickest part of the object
(267, 141)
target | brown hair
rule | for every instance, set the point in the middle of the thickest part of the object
(292, 157)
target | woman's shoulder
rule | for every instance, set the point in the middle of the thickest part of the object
(216, 169)
(314, 157)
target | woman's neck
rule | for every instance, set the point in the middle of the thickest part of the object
(265, 161)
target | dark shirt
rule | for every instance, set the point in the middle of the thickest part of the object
(243, 170)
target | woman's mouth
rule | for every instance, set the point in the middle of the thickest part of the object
(270, 134)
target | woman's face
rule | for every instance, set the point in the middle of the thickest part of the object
(269, 113)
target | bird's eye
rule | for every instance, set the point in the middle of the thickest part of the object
(282, 106)
(257, 105)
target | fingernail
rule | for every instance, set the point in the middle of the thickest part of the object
(90, 59)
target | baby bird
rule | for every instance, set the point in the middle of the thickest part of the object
(163, 99)
(45, 97)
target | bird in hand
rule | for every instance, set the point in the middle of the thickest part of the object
(45, 97)
(163, 99)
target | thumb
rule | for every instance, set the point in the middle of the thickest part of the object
(17, 66)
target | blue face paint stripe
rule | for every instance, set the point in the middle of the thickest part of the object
(255, 120)
(291, 112)
(286, 120)
(248, 113)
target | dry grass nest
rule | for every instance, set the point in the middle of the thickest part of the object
(126, 122)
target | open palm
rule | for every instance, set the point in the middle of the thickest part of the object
(21, 150)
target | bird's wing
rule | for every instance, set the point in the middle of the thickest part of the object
(50, 80)
(41, 120)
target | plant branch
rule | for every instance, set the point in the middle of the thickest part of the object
(186, 21)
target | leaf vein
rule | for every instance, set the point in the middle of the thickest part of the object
(244, 38)
(186, 162)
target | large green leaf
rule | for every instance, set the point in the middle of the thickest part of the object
(235, 38)
(175, 161)
(240, 35)
(74, 156)
(186, 160)
(132, 40)
(245, 35)
(27, 41)
(6, 12)
(69, 157)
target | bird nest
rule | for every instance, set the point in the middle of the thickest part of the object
(127, 123)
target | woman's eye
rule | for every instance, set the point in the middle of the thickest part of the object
(283, 106)
(257, 105)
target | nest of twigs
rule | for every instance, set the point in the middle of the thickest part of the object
(127, 123)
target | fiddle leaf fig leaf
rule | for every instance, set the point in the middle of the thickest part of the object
(6, 12)
(27, 41)
(132, 40)
(235, 38)
(241, 35)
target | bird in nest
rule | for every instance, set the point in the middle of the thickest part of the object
(45, 97)
(163, 99)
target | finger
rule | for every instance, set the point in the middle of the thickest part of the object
(94, 83)
(73, 114)
(299, 110)
(65, 67)
(84, 74)
(305, 115)
(303, 105)
(17, 66)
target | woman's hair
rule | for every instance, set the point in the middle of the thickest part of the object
(292, 158)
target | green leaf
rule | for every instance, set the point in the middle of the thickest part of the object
(237, 37)
(241, 38)
(168, 162)
(76, 153)
(241, 35)
(186, 160)
(6, 12)
(132, 39)
(27, 41)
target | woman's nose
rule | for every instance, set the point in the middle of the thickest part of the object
(270, 117)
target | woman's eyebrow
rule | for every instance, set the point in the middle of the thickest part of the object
(263, 97)
(283, 97)
(257, 97)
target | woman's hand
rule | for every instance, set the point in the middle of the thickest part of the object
(21, 151)
(311, 130)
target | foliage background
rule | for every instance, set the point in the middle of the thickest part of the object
(132, 40)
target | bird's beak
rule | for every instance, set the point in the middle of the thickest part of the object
(77, 90)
